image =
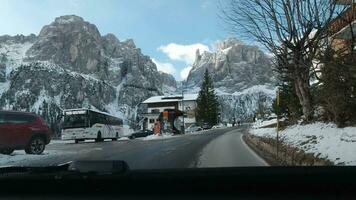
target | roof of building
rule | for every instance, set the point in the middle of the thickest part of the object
(343, 19)
(171, 98)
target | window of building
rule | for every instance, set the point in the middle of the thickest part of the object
(155, 111)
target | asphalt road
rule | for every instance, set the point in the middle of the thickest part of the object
(213, 148)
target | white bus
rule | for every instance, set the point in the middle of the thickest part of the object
(82, 124)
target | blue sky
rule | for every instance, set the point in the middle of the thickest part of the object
(169, 31)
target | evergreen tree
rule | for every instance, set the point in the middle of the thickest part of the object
(207, 102)
(337, 91)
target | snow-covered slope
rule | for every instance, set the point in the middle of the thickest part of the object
(242, 75)
(70, 65)
(323, 140)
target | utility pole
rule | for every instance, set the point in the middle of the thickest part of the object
(183, 127)
(278, 101)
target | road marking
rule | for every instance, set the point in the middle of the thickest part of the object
(253, 152)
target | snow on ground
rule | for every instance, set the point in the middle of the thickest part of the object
(123, 139)
(17, 156)
(321, 139)
(159, 137)
(196, 132)
(261, 123)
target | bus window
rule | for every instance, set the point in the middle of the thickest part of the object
(75, 121)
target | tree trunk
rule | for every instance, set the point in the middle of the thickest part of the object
(303, 92)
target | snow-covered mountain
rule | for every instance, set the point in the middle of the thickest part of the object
(70, 65)
(242, 74)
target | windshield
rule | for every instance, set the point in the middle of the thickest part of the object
(75, 121)
(178, 84)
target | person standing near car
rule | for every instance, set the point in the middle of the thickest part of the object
(157, 127)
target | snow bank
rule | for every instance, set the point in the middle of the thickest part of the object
(260, 123)
(21, 156)
(123, 139)
(158, 137)
(323, 140)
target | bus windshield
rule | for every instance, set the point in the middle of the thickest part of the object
(75, 121)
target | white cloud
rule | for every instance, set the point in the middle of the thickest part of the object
(185, 72)
(185, 53)
(164, 67)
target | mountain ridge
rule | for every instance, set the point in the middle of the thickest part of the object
(70, 65)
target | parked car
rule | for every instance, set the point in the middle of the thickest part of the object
(193, 128)
(141, 133)
(23, 130)
(206, 126)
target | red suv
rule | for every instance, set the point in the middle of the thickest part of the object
(23, 130)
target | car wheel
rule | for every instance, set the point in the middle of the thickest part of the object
(76, 141)
(99, 138)
(36, 146)
(6, 151)
(132, 137)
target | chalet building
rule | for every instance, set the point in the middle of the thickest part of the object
(158, 104)
(343, 27)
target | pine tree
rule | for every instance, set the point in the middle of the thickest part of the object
(337, 94)
(207, 102)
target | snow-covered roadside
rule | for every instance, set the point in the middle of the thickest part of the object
(21, 156)
(159, 137)
(261, 123)
(323, 140)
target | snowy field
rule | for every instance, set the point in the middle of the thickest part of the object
(321, 139)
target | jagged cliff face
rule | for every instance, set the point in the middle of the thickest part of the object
(234, 66)
(243, 78)
(70, 65)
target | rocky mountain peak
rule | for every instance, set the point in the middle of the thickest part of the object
(69, 24)
(111, 38)
(130, 43)
(71, 42)
(229, 42)
(68, 19)
(234, 65)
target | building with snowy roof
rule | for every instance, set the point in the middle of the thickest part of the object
(158, 104)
